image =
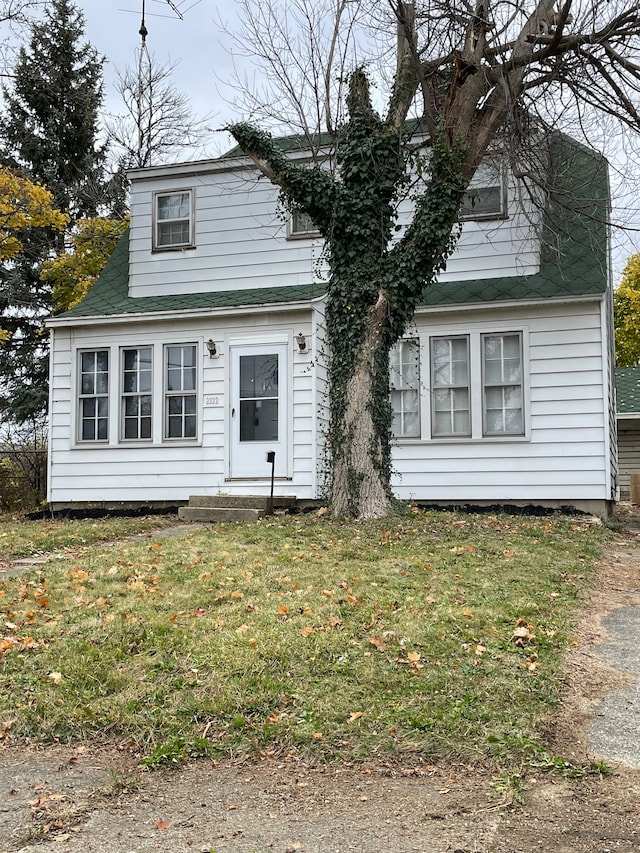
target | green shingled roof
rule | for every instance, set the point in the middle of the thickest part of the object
(628, 390)
(110, 294)
(573, 258)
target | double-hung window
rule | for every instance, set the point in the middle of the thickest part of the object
(502, 384)
(404, 380)
(450, 387)
(93, 399)
(136, 401)
(173, 220)
(485, 197)
(302, 225)
(180, 404)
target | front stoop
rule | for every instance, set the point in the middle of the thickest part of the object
(212, 508)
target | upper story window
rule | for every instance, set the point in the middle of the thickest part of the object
(173, 220)
(485, 197)
(93, 397)
(302, 225)
(404, 379)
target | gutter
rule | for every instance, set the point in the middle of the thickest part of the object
(510, 303)
(194, 313)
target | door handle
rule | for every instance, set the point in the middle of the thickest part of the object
(233, 411)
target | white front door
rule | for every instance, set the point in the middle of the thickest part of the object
(258, 415)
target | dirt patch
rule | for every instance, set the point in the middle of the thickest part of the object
(93, 800)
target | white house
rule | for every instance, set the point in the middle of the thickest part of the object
(201, 349)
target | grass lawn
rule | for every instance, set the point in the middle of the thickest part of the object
(431, 635)
(22, 538)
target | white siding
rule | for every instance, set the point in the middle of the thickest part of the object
(171, 471)
(240, 239)
(564, 454)
(628, 453)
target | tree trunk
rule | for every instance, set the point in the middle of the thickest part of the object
(360, 451)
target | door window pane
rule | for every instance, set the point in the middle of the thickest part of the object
(259, 397)
(259, 420)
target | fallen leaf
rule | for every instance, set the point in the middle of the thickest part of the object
(356, 716)
(162, 824)
(380, 645)
(305, 632)
(56, 677)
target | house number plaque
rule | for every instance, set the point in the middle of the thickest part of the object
(212, 401)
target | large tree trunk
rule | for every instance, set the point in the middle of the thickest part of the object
(360, 428)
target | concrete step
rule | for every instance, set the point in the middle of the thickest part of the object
(239, 501)
(221, 513)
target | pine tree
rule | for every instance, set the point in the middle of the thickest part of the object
(49, 132)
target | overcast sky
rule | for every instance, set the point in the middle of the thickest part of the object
(194, 43)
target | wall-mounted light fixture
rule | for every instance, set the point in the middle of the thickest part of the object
(213, 349)
(302, 342)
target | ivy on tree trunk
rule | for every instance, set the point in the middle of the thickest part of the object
(375, 284)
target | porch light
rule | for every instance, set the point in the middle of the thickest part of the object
(302, 342)
(213, 349)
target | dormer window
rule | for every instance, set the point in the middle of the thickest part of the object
(173, 220)
(302, 225)
(485, 197)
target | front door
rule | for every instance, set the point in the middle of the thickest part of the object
(258, 410)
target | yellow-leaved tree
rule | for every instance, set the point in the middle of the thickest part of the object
(626, 308)
(72, 272)
(24, 206)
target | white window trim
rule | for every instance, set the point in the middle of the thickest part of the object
(79, 396)
(459, 435)
(415, 340)
(292, 234)
(476, 388)
(173, 247)
(471, 216)
(485, 432)
(122, 395)
(197, 393)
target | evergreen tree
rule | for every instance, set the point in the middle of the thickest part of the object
(49, 132)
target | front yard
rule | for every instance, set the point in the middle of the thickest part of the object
(432, 635)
